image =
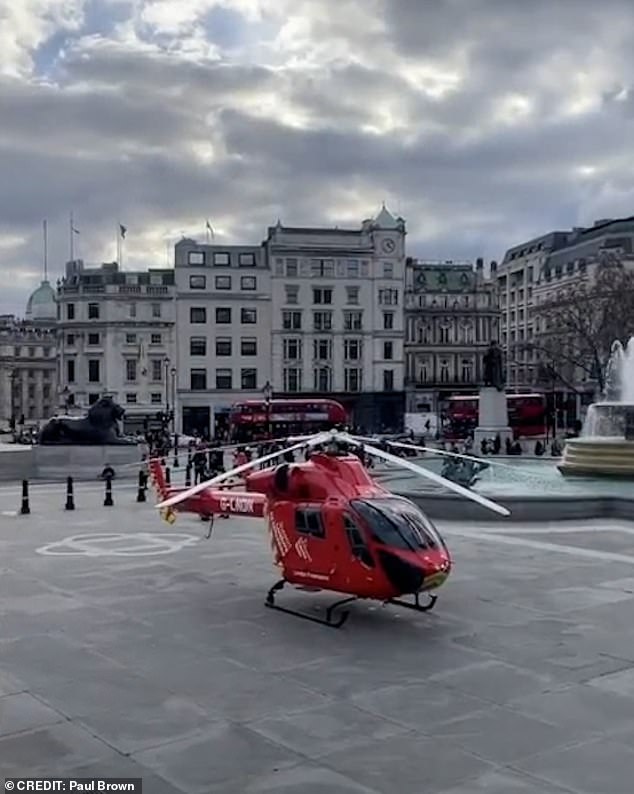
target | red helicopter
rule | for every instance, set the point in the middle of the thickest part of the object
(331, 525)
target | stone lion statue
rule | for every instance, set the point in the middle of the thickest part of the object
(99, 426)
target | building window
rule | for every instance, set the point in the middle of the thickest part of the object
(224, 379)
(157, 370)
(353, 379)
(197, 282)
(388, 380)
(223, 282)
(156, 339)
(221, 259)
(291, 268)
(352, 349)
(70, 370)
(223, 346)
(249, 346)
(156, 398)
(322, 267)
(323, 379)
(156, 310)
(292, 377)
(133, 310)
(388, 297)
(130, 339)
(388, 270)
(388, 321)
(246, 260)
(352, 268)
(94, 374)
(248, 316)
(444, 371)
(322, 321)
(70, 311)
(249, 378)
(388, 350)
(93, 339)
(322, 295)
(353, 321)
(352, 296)
(223, 316)
(322, 349)
(196, 258)
(198, 379)
(292, 293)
(130, 398)
(467, 371)
(93, 397)
(197, 315)
(248, 282)
(292, 349)
(70, 341)
(292, 321)
(93, 311)
(197, 346)
(130, 369)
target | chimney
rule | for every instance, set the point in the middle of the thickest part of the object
(494, 266)
(479, 263)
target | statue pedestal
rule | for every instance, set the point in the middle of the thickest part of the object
(493, 419)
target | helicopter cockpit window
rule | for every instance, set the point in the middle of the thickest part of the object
(397, 523)
(309, 522)
(357, 543)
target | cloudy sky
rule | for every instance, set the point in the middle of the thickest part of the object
(482, 122)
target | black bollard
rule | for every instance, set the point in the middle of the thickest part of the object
(70, 501)
(25, 509)
(176, 463)
(140, 497)
(188, 475)
(107, 502)
(168, 476)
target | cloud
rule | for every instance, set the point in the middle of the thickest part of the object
(483, 122)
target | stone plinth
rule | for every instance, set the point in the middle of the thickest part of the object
(598, 457)
(493, 417)
(58, 462)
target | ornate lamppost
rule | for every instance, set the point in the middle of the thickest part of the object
(267, 391)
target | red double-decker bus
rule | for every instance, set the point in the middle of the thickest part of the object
(252, 420)
(527, 415)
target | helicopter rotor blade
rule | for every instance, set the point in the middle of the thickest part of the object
(252, 464)
(441, 452)
(430, 475)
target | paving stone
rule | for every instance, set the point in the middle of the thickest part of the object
(299, 780)
(419, 706)
(620, 683)
(336, 726)
(494, 681)
(23, 712)
(506, 782)
(220, 756)
(49, 751)
(9, 684)
(594, 767)
(502, 736)
(407, 764)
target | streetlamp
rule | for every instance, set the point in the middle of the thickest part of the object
(173, 374)
(166, 365)
(268, 392)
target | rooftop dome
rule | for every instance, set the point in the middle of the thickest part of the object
(41, 305)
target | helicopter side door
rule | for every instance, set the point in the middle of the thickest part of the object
(313, 543)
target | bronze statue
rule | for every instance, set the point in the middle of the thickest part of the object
(494, 367)
(100, 426)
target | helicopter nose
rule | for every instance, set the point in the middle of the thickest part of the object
(404, 576)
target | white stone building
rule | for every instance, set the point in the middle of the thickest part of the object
(116, 333)
(451, 315)
(337, 316)
(223, 315)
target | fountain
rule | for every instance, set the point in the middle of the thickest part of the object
(606, 445)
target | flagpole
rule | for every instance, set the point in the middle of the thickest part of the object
(118, 249)
(72, 245)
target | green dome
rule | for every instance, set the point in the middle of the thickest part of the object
(41, 305)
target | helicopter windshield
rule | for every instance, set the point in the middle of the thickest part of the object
(398, 523)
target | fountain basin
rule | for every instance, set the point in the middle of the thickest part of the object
(598, 457)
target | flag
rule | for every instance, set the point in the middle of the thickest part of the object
(123, 230)
(75, 230)
(209, 225)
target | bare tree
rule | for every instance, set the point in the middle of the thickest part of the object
(575, 329)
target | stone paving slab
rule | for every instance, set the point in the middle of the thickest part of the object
(129, 647)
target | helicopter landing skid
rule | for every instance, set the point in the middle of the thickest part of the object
(416, 606)
(327, 621)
